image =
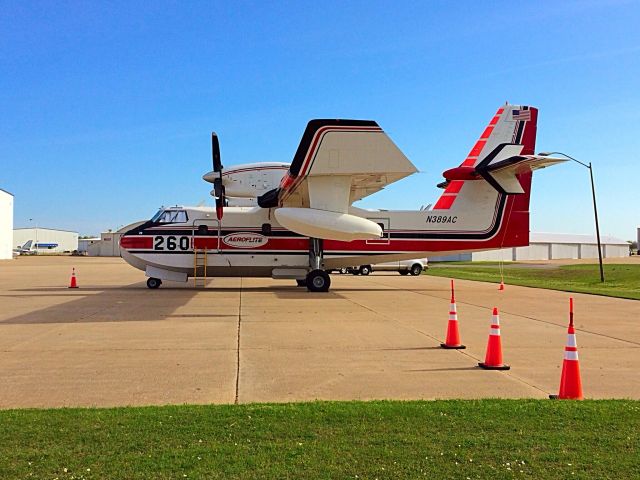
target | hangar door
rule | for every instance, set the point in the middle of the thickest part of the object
(564, 250)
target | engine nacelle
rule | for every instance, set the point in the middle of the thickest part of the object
(249, 180)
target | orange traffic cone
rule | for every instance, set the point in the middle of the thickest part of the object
(73, 283)
(501, 287)
(570, 382)
(493, 358)
(453, 335)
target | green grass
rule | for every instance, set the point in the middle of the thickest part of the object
(621, 280)
(366, 440)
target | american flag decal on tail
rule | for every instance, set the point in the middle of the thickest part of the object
(522, 115)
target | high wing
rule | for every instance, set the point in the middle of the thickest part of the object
(337, 163)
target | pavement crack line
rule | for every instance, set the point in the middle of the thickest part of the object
(237, 391)
(461, 352)
(548, 322)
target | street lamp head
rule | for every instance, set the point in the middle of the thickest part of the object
(545, 154)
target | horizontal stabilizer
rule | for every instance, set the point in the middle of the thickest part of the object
(501, 166)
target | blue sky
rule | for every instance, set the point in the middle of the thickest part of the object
(106, 108)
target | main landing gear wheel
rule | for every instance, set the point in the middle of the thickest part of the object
(301, 283)
(364, 270)
(416, 269)
(318, 281)
(154, 282)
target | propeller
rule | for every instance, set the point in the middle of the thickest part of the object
(218, 187)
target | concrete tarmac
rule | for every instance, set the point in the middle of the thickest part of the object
(115, 342)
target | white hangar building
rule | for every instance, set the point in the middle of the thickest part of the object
(85, 244)
(109, 243)
(550, 246)
(6, 225)
(46, 240)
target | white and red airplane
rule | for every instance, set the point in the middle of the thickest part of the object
(297, 220)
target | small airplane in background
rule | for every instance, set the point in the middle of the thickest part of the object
(26, 249)
(297, 220)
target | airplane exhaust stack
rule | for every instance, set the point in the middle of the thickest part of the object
(453, 335)
(570, 381)
(493, 358)
(73, 283)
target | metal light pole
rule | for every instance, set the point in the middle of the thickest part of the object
(595, 208)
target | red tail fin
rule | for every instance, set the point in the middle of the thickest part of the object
(511, 124)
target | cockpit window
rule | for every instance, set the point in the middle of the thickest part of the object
(158, 214)
(170, 216)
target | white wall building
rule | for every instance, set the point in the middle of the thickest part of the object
(6, 225)
(46, 240)
(109, 244)
(84, 244)
(550, 246)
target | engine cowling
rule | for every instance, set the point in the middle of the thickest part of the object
(249, 180)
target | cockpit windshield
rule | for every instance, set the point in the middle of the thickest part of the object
(170, 216)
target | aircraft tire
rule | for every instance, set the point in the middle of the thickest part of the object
(416, 269)
(318, 281)
(301, 282)
(364, 270)
(403, 272)
(153, 282)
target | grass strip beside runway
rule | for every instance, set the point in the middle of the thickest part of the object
(621, 281)
(391, 439)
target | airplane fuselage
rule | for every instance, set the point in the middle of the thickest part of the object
(249, 241)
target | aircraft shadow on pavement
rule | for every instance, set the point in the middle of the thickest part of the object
(450, 369)
(135, 302)
(109, 304)
(407, 349)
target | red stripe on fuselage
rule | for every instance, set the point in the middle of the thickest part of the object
(240, 170)
(444, 202)
(136, 242)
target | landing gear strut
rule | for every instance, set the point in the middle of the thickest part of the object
(317, 279)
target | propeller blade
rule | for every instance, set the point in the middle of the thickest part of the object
(215, 153)
(217, 187)
(220, 200)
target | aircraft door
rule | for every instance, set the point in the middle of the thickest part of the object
(206, 234)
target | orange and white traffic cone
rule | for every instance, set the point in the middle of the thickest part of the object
(74, 283)
(570, 381)
(453, 335)
(493, 357)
